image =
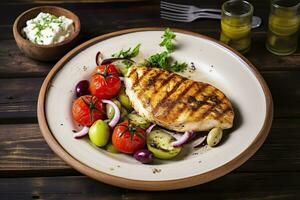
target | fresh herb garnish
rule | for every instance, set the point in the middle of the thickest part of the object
(178, 67)
(159, 60)
(167, 37)
(162, 60)
(128, 53)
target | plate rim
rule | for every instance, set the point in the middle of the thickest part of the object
(140, 184)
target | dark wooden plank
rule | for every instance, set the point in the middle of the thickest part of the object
(23, 148)
(232, 186)
(284, 86)
(18, 97)
(15, 64)
(24, 152)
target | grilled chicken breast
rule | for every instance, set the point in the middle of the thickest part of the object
(175, 102)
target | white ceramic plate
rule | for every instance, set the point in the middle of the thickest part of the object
(215, 64)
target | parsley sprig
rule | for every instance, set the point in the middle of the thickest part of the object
(163, 59)
(128, 53)
(160, 60)
(167, 37)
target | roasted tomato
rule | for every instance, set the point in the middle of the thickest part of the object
(87, 109)
(128, 138)
(105, 82)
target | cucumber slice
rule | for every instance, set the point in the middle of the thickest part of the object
(159, 143)
(124, 100)
(138, 120)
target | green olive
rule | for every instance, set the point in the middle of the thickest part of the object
(124, 114)
(160, 142)
(110, 111)
(99, 133)
(111, 148)
(138, 120)
(124, 100)
(214, 136)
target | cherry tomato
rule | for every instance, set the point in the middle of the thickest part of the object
(87, 109)
(127, 138)
(105, 82)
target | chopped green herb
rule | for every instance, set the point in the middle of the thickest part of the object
(178, 67)
(167, 37)
(128, 53)
(162, 60)
(159, 60)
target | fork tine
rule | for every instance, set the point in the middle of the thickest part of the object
(173, 14)
(189, 15)
(175, 9)
(176, 5)
(173, 19)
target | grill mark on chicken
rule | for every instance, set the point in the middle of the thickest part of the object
(166, 81)
(186, 107)
(133, 76)
(179, 97)
(199, 103)
(151, 81)
(164, 100)
(150, 90)
(203, 87)
(145, 72)
(177, 100)
(158, 90)
(132, 72)
(163, 79)
(228, 109)
(208, 111)
(198, 108)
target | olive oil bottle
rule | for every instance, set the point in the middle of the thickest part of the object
(283, 24)
(236, 25)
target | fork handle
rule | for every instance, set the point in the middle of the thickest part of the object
(208, 10)
(208, 16)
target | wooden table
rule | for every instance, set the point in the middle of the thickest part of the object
(30, 170)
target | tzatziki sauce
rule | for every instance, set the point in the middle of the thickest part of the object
(47, 29)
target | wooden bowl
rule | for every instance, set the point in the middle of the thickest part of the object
(45, 52)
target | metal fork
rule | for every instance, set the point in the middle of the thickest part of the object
(189, 13)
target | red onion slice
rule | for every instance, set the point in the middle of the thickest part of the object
(199, 141)
(111, 60)
(149, 129)
(177, 136)
(84, 131)
(98, 58)
(117, 115)
(183, 139)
